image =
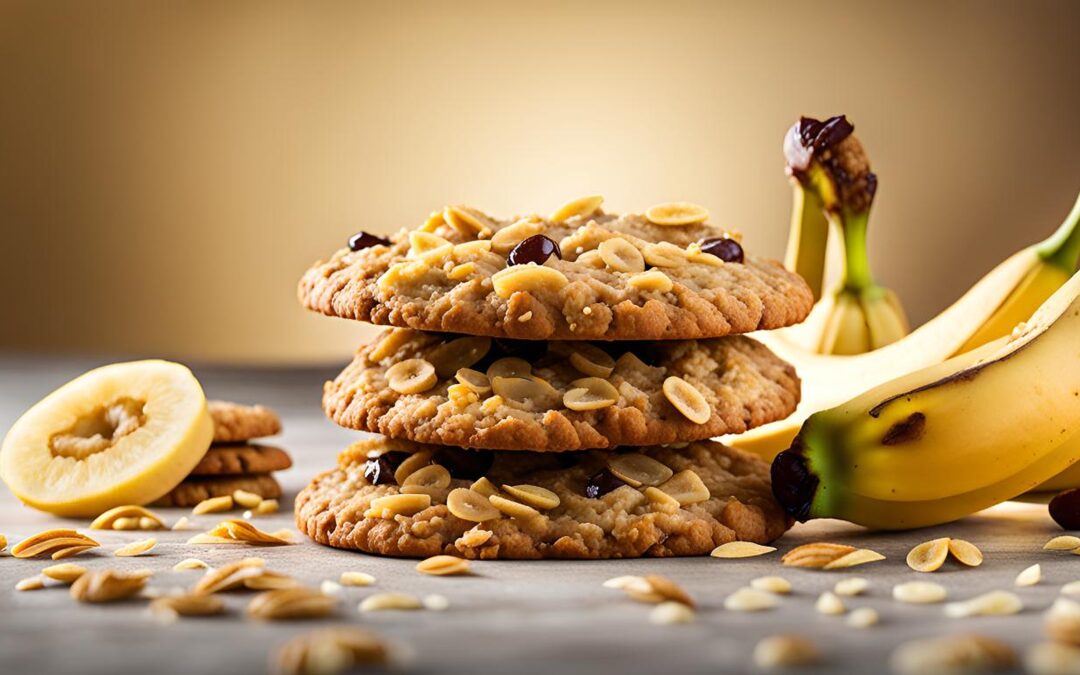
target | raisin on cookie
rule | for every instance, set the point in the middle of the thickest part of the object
(195, 489)
(557, 396)
(241, 459)
(399, 498)
(578, 275)
(235, 422)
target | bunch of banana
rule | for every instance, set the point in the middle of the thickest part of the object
(950, 439)
(834, 189)
(991, 308)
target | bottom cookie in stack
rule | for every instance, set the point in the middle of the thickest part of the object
(232, 462)
(400, 498)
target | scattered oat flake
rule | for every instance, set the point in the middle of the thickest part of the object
(1030, 576)
(851, 587)
(829, 603)
(750, 600)
(1071, 588)
(784, 651)
(920, 592)
(436, 602)
(741, 549)
(381, 601)
(671, 612)
(1052, 658)
(190, 564)
(994, 603)
(328, 587)
(778, 585)
(182, 524)
(356, 579)
(863, 617)
(30, 584)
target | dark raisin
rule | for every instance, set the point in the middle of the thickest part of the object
(726, 249)
(362, 240)
(1065, 509)
(536, 249)
(465, 464)
(380, 470)
(602, 483)
(823, 135)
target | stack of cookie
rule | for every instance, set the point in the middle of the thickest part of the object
(233, 462)
(550, 384)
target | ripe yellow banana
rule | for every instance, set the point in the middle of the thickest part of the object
(1025, 279)
(834, 190)
(947, 440)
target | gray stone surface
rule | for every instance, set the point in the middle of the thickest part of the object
(509, 616)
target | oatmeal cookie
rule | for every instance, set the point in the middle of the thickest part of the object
(523, 505)
(193, 490)
(556, 396)
(235, 422)
(587, 276)
(241, 459)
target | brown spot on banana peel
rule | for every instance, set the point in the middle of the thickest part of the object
(908, 431)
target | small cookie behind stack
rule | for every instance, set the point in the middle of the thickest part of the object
(232, 462)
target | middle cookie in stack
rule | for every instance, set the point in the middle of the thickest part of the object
(649, 484)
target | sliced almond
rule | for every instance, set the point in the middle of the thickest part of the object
(65, 572)
(750, 600)
(582, 206)
(668, 589)
(108, 585)
(1029, 576)
(741, 549)
(636, 469)
(356, 579)
(677, 213)
(230, 576)
(190, 564)
(1065, 542)
(289, 604)
(266, 507)
(687, 487)
(245, 499)
(183, 524)
(484, 487)
(687, 400)
(530, 278)
(929, 556)
(474, 381)
(69, 552)
(526, 393)
(135, 548)
(411, 376)
(106, 520)
(384, 601)
(213, 505)
(454, 355)
(653, 280)
(1062, 621)
(187, 605)
(403, 505)
(1071, 588)
(590, 393)
(471, 505)
(919, 592)
(965, 552)
(512, 508)
(994, 603)
(533, 495)
(509, 366)
(815, 555)
(50, 541)
(432, 475)
(30, 584)
(857, 557)
(413, 462)
(331, 650)
(953, 654)
(468, 221)
(505, 239)
(443, 565)
(591, 360)
(660, 498)
(619, 255)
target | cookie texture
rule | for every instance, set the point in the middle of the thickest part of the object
(241, 459)
(558, 396)
(450, 277)
(235, 422)
(193, 490)
(621, 521)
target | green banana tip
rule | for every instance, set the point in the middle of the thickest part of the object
(793, 483)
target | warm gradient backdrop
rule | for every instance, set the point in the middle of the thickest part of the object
(168, 169)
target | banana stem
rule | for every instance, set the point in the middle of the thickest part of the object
(1062, 249)
(852, 226)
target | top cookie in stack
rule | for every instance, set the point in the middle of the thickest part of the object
(580, 332)
(579, 275)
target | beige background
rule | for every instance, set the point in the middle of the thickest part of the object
(167, 170)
